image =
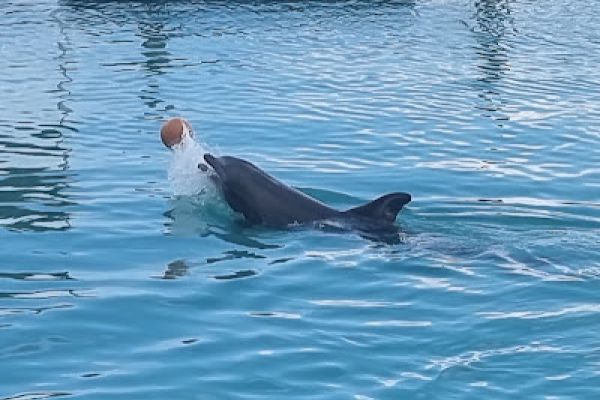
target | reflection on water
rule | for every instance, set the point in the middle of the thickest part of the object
(157, 58)
(236, 275)
(176, 269)
(151, 18)
(179, 268)
(33, 198)
(33, 276)
(493, 22)
(34, 155)
(37, 395)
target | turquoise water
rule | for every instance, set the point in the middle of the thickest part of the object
(114, 286)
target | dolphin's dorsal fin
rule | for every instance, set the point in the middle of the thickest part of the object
(384, 208)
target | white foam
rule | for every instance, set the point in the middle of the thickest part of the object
(185, 178)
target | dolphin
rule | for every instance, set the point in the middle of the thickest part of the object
(264, 200)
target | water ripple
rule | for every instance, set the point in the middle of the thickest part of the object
(357, 303)
(36, 396)
(577, 309)
(472, 357)
(485, 111)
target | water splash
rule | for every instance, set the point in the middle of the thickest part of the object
(185, 177)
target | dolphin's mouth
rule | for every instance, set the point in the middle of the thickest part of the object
(202, 167)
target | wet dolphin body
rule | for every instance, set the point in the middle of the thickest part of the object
(264, 200)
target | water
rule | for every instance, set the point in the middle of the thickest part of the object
(114, 283)
(188, 172)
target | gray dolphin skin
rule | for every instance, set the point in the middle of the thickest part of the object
(264, 200)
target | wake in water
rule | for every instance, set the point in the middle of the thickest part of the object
(185, 178)
(196, 204)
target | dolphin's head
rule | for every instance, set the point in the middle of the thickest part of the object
(231, 169)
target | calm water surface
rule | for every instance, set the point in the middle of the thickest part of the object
(488, 112)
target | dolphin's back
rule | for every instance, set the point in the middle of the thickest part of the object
(263, 199)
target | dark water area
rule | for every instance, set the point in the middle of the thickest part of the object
(115, 285)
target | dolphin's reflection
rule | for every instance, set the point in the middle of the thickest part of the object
(204, 216)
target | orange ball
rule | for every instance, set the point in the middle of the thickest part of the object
(172, 131)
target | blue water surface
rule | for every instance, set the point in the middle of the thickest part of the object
(487, 112)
